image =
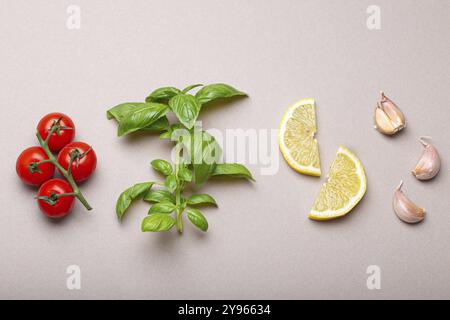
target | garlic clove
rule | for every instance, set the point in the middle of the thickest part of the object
(389, 119)
(405, 209)
(393, 112)
(429, 163)
(382, 122)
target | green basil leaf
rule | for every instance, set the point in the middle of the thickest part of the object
(233, 170)
(120, 111)
(170, 130)
(189, 88)
(171, 183)
(184, 173)
(162, 166)
(162, 207)
(159, 196)
(197, 219)
(205, 152)
(217, 91)
(129, 195)
(183, 202)
(165, 135)
(159, 125)
(197, 199)
(162, 94)
(157, 222)
(186, 108)
(141, 117)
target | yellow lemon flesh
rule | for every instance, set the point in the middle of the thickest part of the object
(296, 138)
(345, 187)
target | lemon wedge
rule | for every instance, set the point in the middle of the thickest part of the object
(345, 187)
(296, 138)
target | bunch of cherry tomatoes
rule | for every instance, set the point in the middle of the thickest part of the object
(75, 161)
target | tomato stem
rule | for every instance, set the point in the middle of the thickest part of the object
(76, 191)
(42, 161)
(73, 194)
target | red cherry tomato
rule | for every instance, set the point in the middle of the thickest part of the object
(30, 171)
(84, 160)
(50, 204)
(64, 133)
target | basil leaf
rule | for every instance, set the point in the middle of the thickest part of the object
(217, 91)
(233, 170)
(132, 193)
(183, 202)
(186, 108)
(162, 94)
(171, 183)
(189, 88)
(157, 222)
(165, 135)
(159, 125)
(197, 219)
(197, 199)
(204, 154)
(120, 111)
(184, 173)
(141, 117)
(159, 196)
(162, 166)
(162, 207)
(168, 134)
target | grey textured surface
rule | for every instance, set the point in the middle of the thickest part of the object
(260, 243)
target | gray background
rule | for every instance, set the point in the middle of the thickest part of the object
(260, 243)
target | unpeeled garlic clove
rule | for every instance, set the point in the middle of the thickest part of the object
(389, 119)
(405, 209)
(429, 163)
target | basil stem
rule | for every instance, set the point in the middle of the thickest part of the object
(179, 209)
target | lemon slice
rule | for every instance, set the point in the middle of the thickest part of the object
(296, 138)
(344, 188)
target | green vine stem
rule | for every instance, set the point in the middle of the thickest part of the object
(76, 190)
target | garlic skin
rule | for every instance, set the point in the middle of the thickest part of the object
(405, 209)
(429, 163)
(389, 119)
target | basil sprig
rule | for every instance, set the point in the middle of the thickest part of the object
(197, 160)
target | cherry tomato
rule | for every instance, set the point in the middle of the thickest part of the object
(50, 204)
(64, 133)
(30, 171)
(84, 160)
